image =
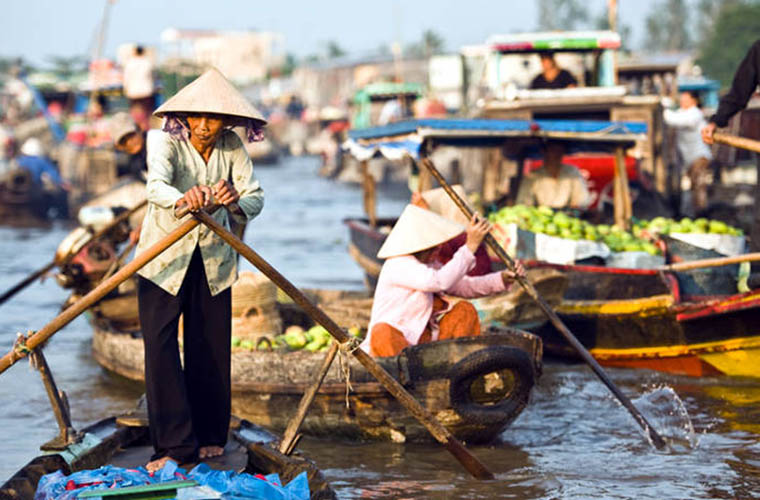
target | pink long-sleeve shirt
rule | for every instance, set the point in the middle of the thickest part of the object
(406, 286)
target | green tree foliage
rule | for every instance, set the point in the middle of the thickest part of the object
(561, 15)
(430, 43)
(66, 67)
(667, 26)
(732, 34)
(334, 50)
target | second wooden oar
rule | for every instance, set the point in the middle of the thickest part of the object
(438, 431)
(737, 142)
(657, 440)
(96, 235)
(99, 292)
(716, 262)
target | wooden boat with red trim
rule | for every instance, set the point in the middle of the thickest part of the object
(639, 318)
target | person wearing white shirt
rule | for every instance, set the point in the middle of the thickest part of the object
(139, 87)
(688, 121)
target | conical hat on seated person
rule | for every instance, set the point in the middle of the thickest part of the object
(441, 203)
(211, 93)
(418, 229)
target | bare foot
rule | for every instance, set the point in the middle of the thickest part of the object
(210, 452)
(155, 465)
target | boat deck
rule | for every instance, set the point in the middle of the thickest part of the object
(235, 458)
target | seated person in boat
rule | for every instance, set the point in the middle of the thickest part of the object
(554, 184)
(409, 307)
(552, 76)
(439, 202)
(131, 140)
(197, 157)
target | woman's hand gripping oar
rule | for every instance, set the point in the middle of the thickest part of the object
(656, 439)
(50, 265)
(440, 433)
(99, 292)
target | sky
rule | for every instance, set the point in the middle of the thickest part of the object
(37, 29)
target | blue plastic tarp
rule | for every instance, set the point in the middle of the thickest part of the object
(226, 484)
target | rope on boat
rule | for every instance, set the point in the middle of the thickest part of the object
(346, 349)
(20, 349)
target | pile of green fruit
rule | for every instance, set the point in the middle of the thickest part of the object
(551, 222)
(662, 225)
(315, 339)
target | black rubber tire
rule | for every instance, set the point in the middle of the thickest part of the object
(466, 370)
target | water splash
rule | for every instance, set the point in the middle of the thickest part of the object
(665, 410)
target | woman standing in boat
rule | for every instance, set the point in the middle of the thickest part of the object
(196, 159)
(409, 307)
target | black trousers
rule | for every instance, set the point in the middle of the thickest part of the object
(187, 408)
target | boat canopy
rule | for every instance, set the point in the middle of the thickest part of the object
(557, 41)
(401, 139)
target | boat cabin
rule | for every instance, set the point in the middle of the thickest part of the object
(590, 57)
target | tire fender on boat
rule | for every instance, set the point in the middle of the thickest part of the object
(480, 363)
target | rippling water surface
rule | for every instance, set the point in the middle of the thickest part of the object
(573, 441)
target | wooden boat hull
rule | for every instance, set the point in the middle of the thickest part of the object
(107, 442)
(720, 336)
(267, 385)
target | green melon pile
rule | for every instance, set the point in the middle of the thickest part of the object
(295, 338)
(662, 225)
(547, 221)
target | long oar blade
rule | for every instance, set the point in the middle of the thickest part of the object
(439, 432)
(657, 440)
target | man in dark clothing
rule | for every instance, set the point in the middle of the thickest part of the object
(130, 139)
(552, 76)
(746, 80)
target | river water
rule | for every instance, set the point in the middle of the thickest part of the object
(573, 441)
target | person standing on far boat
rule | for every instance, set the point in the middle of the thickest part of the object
(688, 121)
(196, 159)
(552, 76)
(746, 80)
(410, 305)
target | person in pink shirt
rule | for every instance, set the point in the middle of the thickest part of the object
(411, 304)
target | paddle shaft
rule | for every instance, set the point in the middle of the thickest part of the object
(737, 142)
(289, 436)
(100, 291)
(440, 433)
(716, 262)
(96, 235)
(658, 441)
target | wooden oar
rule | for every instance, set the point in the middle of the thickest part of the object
(99, 292)
(439, 432)
(50, 265)
(716, 262)
(289, 436)
(737, 142)
(657, 440)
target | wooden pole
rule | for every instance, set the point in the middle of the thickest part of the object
(622, 194)
(289, 437)
(368, 191)
(99, 292)
(737, 142)
(50, 265)
(716, 262)
(439, 432)
(657, 440)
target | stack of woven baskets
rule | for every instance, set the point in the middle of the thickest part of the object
(254, 307)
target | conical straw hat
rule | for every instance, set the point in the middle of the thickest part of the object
(441, 203)
(418, 229)
(211, 93)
